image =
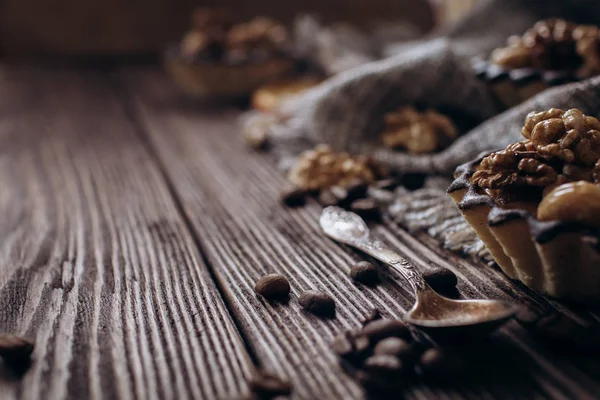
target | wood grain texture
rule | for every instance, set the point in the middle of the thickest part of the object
(229, 195)
(96, 263)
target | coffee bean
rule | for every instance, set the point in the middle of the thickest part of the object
(16, 352)
(267, 385)
(385, 328)
(294, 197)
(327, 198)
(318, 303)
(272, 287)
(382, 197)
(343, 345)
(356, 190)
(440, 278)
(362, 344)
(364, 272)
(526, 316)
(566, 334)
(340, 193)
(384, 364)
(381, 385)
(441, 363)
(373, 315)
(366, 208)
(14, 347)
(413, 181)
(387, 184)
(397, 347)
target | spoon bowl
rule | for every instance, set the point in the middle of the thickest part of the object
(431, 311)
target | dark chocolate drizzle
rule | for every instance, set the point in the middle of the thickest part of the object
(541, 231)
(493, 73)
(463, 181)
(525, 76)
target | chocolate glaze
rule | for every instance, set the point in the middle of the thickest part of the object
(541, 231)
(492, 73)
(524, 76)
(463, 181)
(555, 78)
(496, 73)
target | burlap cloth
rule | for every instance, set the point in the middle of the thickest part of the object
(346, 111)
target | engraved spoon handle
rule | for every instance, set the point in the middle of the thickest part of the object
(376, 248)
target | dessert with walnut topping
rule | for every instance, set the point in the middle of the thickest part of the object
(552, 52)
(219, 57)
(536, 204)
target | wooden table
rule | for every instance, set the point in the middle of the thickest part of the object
(134, 223)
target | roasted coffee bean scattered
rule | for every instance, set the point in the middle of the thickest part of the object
(327, 198)
(397, 347)
(318, 303)
(267, 385)
(343, 345)
(356, 190)
(15, 348)
(273, 287)
(373, 315)
(294, 197)
(385, 328)
(362, 344)
(377, 371)
(16, 353)
(366, 208)
(441, 363)
(387, 184)
(526, 316)
(413, 181)
(378, 384)
(440, 278)
(340, 193)
(364, 272)
(560, 332)
(382, 197)
(384, 364)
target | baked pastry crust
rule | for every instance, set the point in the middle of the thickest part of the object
(553, 250)
(558, 258)
(221, 58)
(553, 52)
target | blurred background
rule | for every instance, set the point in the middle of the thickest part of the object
(66, 28)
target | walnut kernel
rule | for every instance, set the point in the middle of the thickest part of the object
(418, 132)
(573, 137)
(518, 165)
(260, 32)
(549, 44)
(588, 47)
(322, 168)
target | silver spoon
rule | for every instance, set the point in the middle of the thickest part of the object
(431, 312)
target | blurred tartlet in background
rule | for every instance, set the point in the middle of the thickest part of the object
(221, 57)
(447, 11)
(551, 53)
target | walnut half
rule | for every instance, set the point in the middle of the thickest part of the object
(418, 132)
(321, 168)
(568, 135)
(517, 165)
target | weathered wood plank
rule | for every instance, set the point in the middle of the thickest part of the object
(96, 263)
(230, 196)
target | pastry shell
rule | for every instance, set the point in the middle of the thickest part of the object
(557, 258)
(216, 79)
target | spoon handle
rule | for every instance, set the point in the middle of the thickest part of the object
(376, 248)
